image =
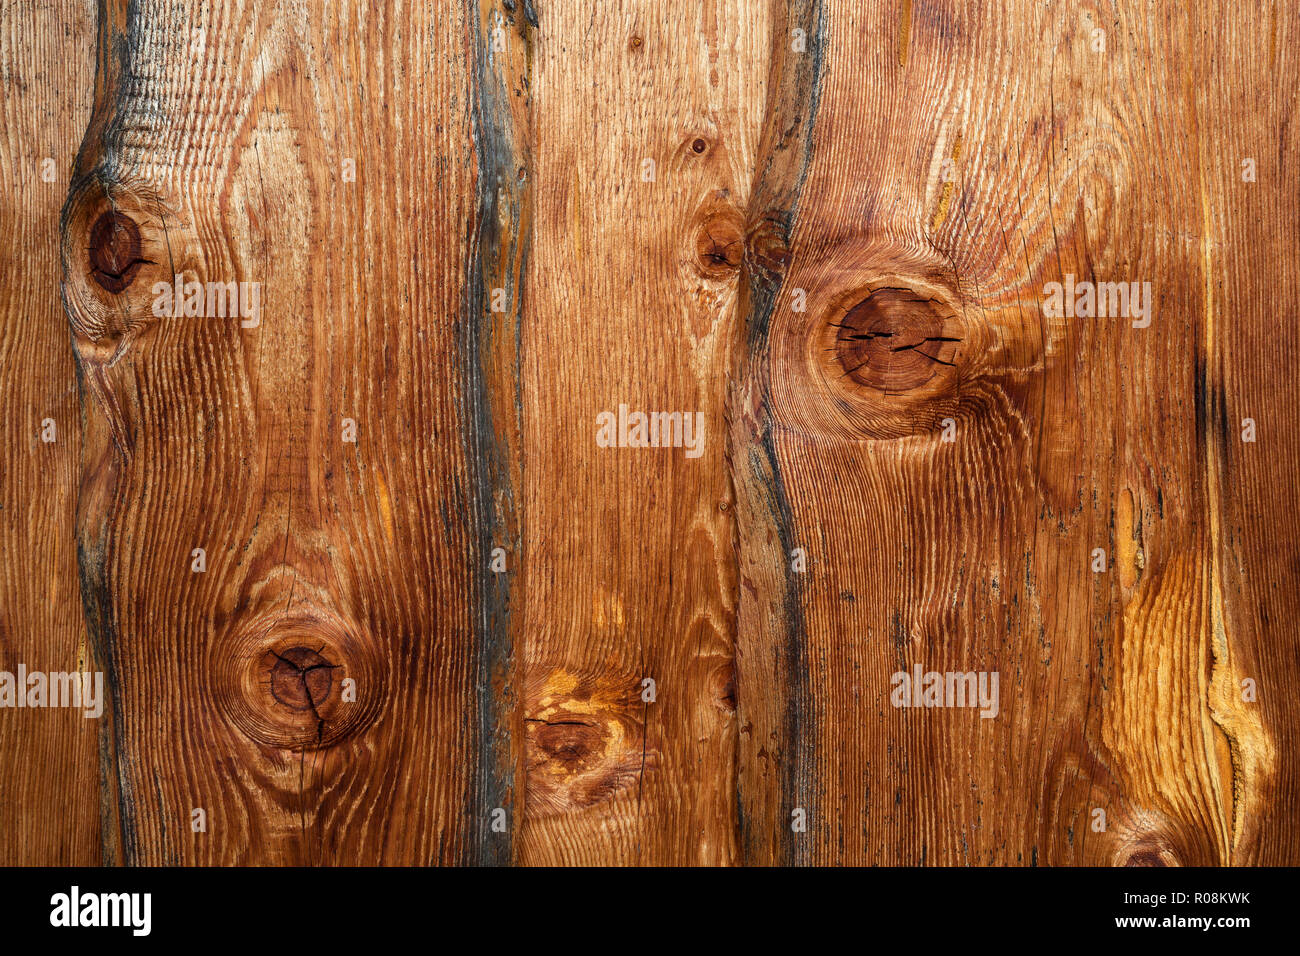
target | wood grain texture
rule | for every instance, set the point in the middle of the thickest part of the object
(1120, 690)
(49, 791)
(437, 619)
(631, 300)
(225, 141)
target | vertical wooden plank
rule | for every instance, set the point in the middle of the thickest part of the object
(502, 82)
(49, 792)
(313, 689)
(1244, 102)
(1122, 152)
(776, 762)
(963, 159)
(883, 330)
(1193, 760)
(644, 134)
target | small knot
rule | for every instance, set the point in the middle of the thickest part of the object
(300, 678)
(768, 249)
(585, 740)
(720, 244)
(572, 745)
(725, 688)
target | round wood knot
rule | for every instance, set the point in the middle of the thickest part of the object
(300, 682)
(573, 745)
(584, 739)
(895, 340)
(110, 250)
(115, 251)
(896, 355)
(720, 244)
(301, 678)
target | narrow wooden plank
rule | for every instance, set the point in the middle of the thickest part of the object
(630, 303)
(1245, 102)
(50, 787)
(502, 55)
(316, 449)
(776, 760)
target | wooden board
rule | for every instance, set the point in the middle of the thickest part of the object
(453, 605)
(50, 788)
(630, 308)
(314, 690)
(961, 160)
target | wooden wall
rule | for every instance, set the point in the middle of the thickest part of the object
(365, 584)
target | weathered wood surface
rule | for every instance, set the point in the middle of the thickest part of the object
(1121, 690)
(50, 788)
(829, 229)
(226, 142)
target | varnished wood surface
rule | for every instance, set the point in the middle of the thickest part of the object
(439, 622)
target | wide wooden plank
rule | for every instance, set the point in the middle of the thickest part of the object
(312, 686)
(958, 463)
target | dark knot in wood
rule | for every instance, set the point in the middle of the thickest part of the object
(300, 678)
(114, 251)
(720, 245)
(894, 340)
(768, 248)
